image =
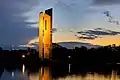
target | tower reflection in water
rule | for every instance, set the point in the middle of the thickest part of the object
(44, 74)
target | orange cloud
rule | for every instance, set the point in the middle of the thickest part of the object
(33, 41)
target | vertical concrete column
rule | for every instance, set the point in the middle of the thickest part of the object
(45, 34)
(41, 32)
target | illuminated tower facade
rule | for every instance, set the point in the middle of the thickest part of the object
(45, 34)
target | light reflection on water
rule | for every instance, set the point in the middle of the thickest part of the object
(45, 74)
(94, 76)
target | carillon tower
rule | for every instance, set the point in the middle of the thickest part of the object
(45, 34)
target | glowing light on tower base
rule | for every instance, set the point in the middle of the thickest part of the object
(45, 34)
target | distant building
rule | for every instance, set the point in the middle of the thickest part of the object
(45, 34)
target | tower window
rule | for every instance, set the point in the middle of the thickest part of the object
(45, 24)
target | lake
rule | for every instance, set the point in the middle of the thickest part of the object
(59, 73)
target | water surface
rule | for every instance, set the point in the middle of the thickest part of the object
(46, 73)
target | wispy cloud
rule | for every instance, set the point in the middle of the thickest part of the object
(95, 33)
(31, 23)
(86, 37)
(111, 18)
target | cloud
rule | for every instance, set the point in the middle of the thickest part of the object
(95, 33)
(13, 25)
(31, 23)
(105, 2)
(33, 41)
(111, 19)
(86, 37)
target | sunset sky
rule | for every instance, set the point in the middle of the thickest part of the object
(89, 21)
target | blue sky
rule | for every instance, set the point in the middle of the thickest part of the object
(19, 17)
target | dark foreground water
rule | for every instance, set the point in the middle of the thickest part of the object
(59, 73)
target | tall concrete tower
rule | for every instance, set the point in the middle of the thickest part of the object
(45, 34)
